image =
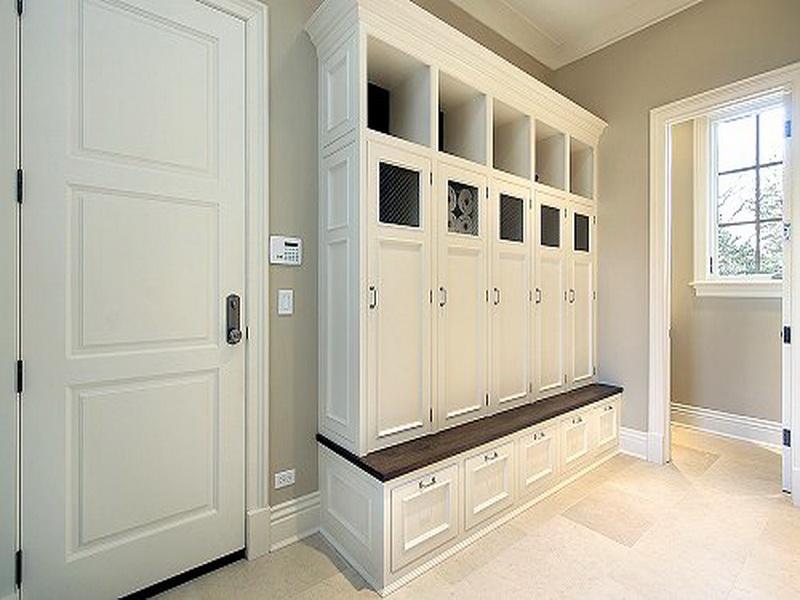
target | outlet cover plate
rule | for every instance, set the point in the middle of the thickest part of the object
(284, 478)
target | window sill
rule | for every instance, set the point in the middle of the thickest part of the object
(715, 288)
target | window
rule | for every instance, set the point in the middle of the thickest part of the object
(739, 163)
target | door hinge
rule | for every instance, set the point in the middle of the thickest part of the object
(18, 569)
(787, 438)
(710, 264)
(787, 231)
(787, 128)
(430, 414)
(19, 186)
(487, 398)
(20, 375)
(594, 295)
(594, 370)
(530, 203)
(431, 174)
(20, 7)
(594, 219)
(487, 192)
(787, 334)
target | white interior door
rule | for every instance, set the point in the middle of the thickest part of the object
(399, 295)
(510, 295)
(580, 295)
(550, 295)
(789, 199)
(133, 237)
(462, 315)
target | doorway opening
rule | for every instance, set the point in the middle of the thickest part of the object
(723, 268)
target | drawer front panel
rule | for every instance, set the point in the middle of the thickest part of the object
(607, 425)
(488, 483)
(576, 443)
(424, 515)
(538, 460)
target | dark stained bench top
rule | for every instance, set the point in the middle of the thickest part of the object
(395, 461)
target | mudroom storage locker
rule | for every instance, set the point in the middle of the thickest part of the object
(435, 289)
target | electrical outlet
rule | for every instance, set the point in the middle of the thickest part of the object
(284, 478)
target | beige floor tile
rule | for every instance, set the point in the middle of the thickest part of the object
(613, 513)
(692, 462)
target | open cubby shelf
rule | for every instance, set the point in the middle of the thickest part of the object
(550, 156)
(398, 96)
(511, 140)
(462, 120)
(581, 168)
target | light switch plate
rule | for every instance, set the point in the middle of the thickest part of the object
(285, 302)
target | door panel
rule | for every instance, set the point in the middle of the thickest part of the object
(133, 237)
(424, 515)
(462, 315)
(575, 441)
(488, 484)
(538, 460)
(581, 297)
(510, 295)
(399, 296)
(550, 294)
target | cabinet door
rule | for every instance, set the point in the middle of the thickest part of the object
(424, 515)
(582, 296)
(607, 425)
(510, 295)
(460, 295)
(488, 484)
(398, 296)
(576, 441)
(550, 295)
(538, 460)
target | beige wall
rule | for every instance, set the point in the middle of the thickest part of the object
(293, 210)
(713, 43)
(726, 352)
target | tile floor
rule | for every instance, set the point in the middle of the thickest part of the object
(713, 524)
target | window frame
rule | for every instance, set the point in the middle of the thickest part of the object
(706, 282)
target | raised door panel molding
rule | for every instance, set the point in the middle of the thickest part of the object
(538, 459)
(488, 484)
(424, 515)
(339, 92)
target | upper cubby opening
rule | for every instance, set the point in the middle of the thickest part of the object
(462, 119)
(581, 168)
(511, 135)
(550, 156)
(399, 92)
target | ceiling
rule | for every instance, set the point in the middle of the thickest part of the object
(557, 32)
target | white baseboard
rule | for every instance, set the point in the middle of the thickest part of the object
(633, 442)
(730, 425)
(257, 527)
(294, 520)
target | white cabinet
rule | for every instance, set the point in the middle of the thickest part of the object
(538, 457)
(425, 314)
(606, 417)
(576, 441)
(509, 294)
(398, 295)
(462, 328)
(550, 294)
(424, 515)
(581, 295)
(488, 484)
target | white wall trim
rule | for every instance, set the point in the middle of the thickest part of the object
(257, 528)
(661, 120)
(738, 288)
(633, 442)
(740, 427)
(294, 520)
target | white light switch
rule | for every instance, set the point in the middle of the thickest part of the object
(285, 302)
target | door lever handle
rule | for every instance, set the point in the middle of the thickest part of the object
(233, 325)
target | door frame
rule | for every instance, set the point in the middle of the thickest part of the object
(661, 121)
(254, 15)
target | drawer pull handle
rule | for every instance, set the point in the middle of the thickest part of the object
(577, 420)
(423, 485)
(490, 457)
(609, 407)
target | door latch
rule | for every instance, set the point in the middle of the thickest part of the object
(233, 324)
